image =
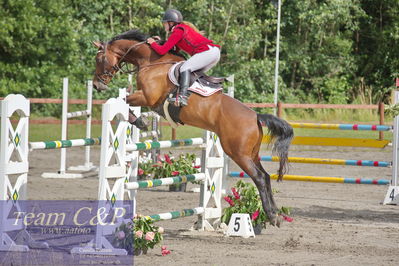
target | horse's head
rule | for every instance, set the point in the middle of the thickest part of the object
(128, 47)
(107, 64)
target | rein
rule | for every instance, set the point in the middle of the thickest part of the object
(155, 64)
(117, 68)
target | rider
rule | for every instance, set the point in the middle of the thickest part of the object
(185, 36)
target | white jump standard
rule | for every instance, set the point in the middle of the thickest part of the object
(392, 196)
(14, 146)
(125, 178)
(87, 166)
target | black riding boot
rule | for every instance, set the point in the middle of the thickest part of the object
(184, 84)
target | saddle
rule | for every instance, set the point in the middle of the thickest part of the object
(199, 76)
(200, 83)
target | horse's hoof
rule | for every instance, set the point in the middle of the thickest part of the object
(141, 123)
(279, 221)
(276, 221)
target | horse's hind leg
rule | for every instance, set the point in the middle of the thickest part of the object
(268, 187)
(261, 180)
(267, 176)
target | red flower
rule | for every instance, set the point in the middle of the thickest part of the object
(156, 165)
(255, 215)
(175, 173)
(229, 200)
(141, 171)
(167, 159)
(287, 218)
(164, 251)
(197, 166)
(235, 193)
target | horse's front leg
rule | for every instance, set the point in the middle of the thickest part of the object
(138, 99)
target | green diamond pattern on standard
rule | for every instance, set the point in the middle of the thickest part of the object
(215, 138)
(213, 188)
(17, 139)
(15, 196)
(113, 199)
(116, 143)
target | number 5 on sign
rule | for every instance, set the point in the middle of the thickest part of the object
(240, 225)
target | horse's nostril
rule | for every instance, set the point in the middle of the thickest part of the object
(95, 86)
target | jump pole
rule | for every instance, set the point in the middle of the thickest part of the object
(328, 161)
(342, 126)
(322, 179)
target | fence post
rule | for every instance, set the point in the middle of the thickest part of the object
(279, 109)
(381, 109)
(173, 133)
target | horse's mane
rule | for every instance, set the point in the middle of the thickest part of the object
(137, 35)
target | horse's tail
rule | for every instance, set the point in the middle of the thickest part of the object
(281, 134)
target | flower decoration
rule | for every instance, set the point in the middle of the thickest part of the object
(138, 235)
(245, 199)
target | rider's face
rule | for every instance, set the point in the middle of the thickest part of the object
(166, 26)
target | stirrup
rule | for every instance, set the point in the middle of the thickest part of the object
(181, 100)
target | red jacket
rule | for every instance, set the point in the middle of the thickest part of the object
(186, 39)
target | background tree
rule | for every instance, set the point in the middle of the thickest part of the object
(331, 51)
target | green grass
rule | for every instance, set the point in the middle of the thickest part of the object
(332, 116)
(182, 132)
(53, 132)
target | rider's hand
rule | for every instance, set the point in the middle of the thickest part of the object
(150, 40)
(157, 38)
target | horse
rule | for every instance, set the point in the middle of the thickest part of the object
(238, 127)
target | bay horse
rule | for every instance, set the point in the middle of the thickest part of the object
(238, 127)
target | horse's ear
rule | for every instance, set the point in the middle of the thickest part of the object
(99, 45)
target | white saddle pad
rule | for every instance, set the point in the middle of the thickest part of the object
(196, 87)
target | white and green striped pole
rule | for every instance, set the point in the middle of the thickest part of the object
(61, 144)
(165, 181)
(164, 144)
(176, 214)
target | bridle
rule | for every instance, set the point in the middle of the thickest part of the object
(118, 66)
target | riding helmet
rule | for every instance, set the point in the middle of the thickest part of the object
(172, 15)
